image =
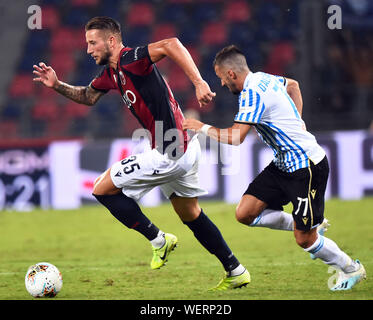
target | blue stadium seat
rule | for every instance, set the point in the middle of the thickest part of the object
(190, 32)
(206, 12)
(77, 17)
(241, 33)
(12, 110)
(136, 36)
(51, 2)
(175, 13)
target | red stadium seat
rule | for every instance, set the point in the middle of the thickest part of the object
(76, 110)
(79, 39)
(63, 40)
(164, 65)
(195, 53)
(8, 130)
(163, 31)
(46, 110)
(192, 104)
(282, 54)
(22, 85)
(57, 128)
(50, 18)
(178, 79)
(63, 63)
(46, 93)
(140, 14)
(237, 11)
(214, 33)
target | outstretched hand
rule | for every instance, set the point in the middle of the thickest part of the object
(45, 74)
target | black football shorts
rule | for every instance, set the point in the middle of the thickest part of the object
(304, 188)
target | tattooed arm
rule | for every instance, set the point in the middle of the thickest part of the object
(84, 95)
(80, 94)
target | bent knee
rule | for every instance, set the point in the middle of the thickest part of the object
(245, 216)
(103, 185)
(305, 239)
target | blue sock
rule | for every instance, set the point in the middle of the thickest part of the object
(127, 211)
(210, 237)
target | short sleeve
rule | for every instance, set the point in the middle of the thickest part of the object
(251, 107)
(103, 81)
(282, 80)
(137, 61)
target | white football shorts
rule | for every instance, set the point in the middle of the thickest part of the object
(137, 174)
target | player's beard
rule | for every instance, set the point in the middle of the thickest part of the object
(104, 60)
(232, 88)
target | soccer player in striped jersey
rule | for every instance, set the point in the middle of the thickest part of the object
(299, 172)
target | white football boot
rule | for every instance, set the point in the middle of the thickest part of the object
(346, 281)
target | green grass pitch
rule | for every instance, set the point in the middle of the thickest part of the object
(101, 259)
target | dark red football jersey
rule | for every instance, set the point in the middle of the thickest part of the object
(147, 95)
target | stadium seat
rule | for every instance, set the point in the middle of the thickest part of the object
(47, 110)
(50, 17)
(62, 39)
(22, 85)
(44, 92)
(136, 35)
(57, 128)
(35, 49)
(206, 12)
(190, 33)
(241, 33)
(77, 17)
(174, 13)
(192, 104)
(237, 11)
(282, 54)
(9, 130)
(164, 65)
(78, 39)
(140, 14)
(214, 33)
(75, 110)
(84, 3)
(63, 63)
(178, 79)
(11, 112)
(195, 53)
(163, 31)
(50, 3)
(37, 40)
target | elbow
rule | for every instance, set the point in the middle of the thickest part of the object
(171, 43)
(293, 85)
(236, 141)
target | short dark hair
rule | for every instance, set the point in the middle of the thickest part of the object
(104, 23)
(228, 53)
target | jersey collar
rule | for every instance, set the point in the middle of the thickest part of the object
(247, 79)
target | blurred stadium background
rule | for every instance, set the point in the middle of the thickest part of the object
(287, 37)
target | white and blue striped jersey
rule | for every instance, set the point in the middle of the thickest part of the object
(265, 104)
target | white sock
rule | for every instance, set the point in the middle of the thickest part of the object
(159, 241)
(274, 219)
(237, 271)
(328, 251)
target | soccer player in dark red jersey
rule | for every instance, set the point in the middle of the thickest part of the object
(172, 161)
